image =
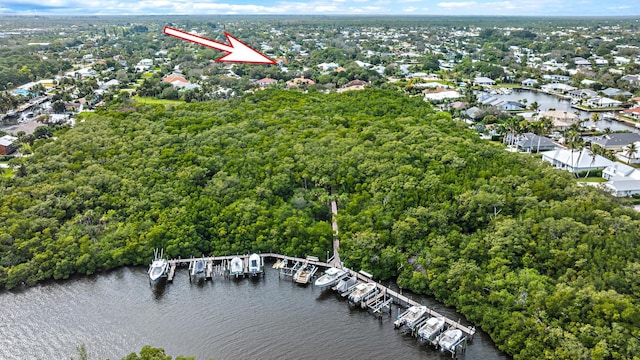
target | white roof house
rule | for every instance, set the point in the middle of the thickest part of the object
(623, 180)
(575, 161)
(633, 158)
(483, 81)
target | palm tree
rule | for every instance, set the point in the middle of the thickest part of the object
(593, 155)
(631, 150)
(574, 141)
(535, 106)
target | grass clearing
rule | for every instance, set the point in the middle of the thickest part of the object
(154, 101)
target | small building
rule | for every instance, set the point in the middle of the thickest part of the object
(7, 144)
(301, 81)
(575, 161)
(582, 94)
(623, 180)
(557, 88)
(556, 78)
(529, 82)
(615, 92)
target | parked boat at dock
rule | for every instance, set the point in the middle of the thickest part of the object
(411, 317)
(363, 292)
(304, 273)
(236, 267)
(158, 267)
(331, 276)
(255, 265)
(197, 269)
(449, 339)
(431, 328)
(346, 283)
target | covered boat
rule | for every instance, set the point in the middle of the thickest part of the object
(449, 339)
(255, 265)
(331, 276)
(236, 267)
(198, 269)
(346, 283)
(431, 328)
(363, 292)
(158, 267)
(410, 317)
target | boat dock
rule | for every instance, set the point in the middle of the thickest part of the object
(216, 266)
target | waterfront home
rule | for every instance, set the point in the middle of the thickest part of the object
(529, 82)
(7, 144)
(557, 88)
(560, 119)
(616, 141)
(623, 180)
(627, 157)
(530, 142)
(582, 94)
(575, 161)
(442, 95)
(483, 81)
(633, 112)
(601, 101)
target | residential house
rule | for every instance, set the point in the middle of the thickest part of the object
(483, 81)
(473, 112)
(328, 66)
(578, 61)
(616, 141)
(87, 58)
(601, 101)
(627, 157)
(266, 82)
(144, 65)
(633, 112)
(582, 94)
(294, 83)
(511, 106)
(611, 92)
(575, 161)
(623, 180)
(442, 95)
(561, 119)
(556, 78)
(529, 82)
(633, 79)
(7, 144)
(557, 88)
(530, 142)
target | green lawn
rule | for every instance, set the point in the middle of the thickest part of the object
(154, 101)
(592, 179)
(6, 173)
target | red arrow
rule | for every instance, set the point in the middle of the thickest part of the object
(237, 51)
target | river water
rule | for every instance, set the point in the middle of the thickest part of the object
(547, 102)
(117, 313)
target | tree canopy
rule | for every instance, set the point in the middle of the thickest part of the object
(547, 268)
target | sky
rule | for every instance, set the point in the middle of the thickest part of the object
(326, 7)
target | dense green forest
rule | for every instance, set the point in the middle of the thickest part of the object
(549, 269)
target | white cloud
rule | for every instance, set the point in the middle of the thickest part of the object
(410, 9)
(456, 4)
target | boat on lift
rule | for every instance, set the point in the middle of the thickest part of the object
(236, 267)
(431, 328)
(158, 267)
(411, 317)
(363, 292)
(346, 283)
(449, 339)
(255, 265)
(331, 276)
(198, 269)
(304, 273)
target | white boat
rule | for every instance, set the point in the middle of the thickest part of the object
(363, 292)
(304, 274)
(255, 265)
(198, 269)
(346, 283)
(331, 276)
(410, 317)
(449, 339)
(431, 328)
(236, 267)
(158, 267)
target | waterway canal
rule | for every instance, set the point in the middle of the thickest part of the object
(271, 318)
